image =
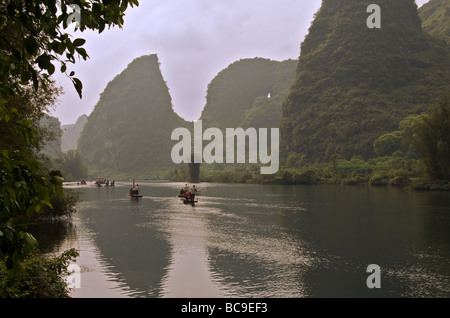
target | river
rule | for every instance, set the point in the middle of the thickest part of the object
(258, 241)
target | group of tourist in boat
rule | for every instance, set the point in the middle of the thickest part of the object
(100, 182)
(134, 191)
(188, 194)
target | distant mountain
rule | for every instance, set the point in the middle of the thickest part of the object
(355, 83)
(52, 141)
(71, 133)
(129, 131)
(247, 93)
(435, 16)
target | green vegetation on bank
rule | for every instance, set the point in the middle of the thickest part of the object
(397, 170)
(41, 277)
(415, 156)
(34, 43)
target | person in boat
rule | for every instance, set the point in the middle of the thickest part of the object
(193, 191)
(182, 192)
(186, 188)
(187, 196)
(134, 191)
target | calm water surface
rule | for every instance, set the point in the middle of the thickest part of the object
(260, 241)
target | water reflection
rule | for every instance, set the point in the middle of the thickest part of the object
(263, 241)
(189, 273)
(131, 236)
(54, 235)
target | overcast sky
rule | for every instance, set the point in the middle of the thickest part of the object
(194, 40)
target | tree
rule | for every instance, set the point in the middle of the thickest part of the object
(72, 166)
(431, 138)
(34, 40)
(33, 37)
(387, 144)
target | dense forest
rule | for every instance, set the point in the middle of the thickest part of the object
(355, 84)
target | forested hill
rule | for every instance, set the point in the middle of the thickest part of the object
(129, 130)
(356, 83)
(435, 16)
(239, 95)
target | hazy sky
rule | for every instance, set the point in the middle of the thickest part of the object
(194, 40)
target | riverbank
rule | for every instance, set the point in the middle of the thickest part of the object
(42, 275)
(398, 170)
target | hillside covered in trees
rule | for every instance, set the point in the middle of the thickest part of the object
(129, 130)
(435, 16)
(355, 83)
(248, 93)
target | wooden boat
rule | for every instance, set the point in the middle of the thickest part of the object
(135, 196)
(181, 195)
(134, 193)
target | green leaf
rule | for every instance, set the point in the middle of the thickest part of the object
(101, 26)
(43, 61)
(11, 193)
(8, 234)
(34, 77)
(30, 241)
(58, 47)
(31, 45)
(78, 42)
(78, 86)
(82, 52)
(50, 69)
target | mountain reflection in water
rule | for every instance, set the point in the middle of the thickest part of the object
(259, 241)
